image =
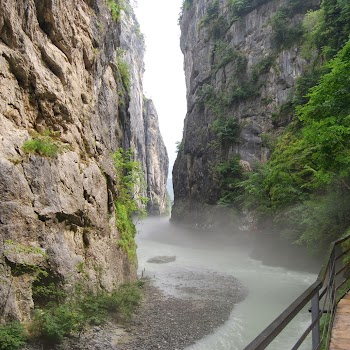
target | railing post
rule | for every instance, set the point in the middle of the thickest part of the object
(315, 311)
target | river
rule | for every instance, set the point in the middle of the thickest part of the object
(270, 288)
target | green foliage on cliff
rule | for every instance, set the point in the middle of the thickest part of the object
(262, 67)
(219, 102)
(225, 54)
(12, 336)
(327, 29)
(47, 143)
(285, 32)
(130, 201)
(229, 175)
(214, 21)
(187, 4)
(227, 130)
(306, 184)
(334, 29)
(116, 7)
(242, 7)
(43, 145)
(124, 69)
(179, 146)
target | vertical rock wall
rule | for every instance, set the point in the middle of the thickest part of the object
(60, 84)
(234, 69)
(145, 136)
(156, 161)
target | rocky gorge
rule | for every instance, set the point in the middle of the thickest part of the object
(70, 96)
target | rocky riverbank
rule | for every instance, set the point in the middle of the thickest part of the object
(200, 303)
(189, 309)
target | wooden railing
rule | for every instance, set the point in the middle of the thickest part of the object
(330, 286)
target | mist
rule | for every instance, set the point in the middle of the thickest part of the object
(264, 267)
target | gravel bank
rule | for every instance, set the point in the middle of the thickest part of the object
(191, 305)
(203, 302)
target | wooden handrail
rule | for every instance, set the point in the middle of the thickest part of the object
(326, 274)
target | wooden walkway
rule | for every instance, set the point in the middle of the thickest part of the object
(341, 328)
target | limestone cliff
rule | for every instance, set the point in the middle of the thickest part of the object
(145, 136)
(156, 161)
(65, 94)
(241, 62)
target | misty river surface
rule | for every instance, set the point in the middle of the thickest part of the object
(270, 288)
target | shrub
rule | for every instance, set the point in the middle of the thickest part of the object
(215, 23)
(187, 4)
(12, 336)
(123, 68)
(179, 146)
(127, 230)
(229, 174)
(285, 33)
(93, 308)
(242, 7)
(125, 299)
(225, 54)
(228, 130)
(130, 188)
(43, 146)
(262, 67)
(55, 322)
(115, 7)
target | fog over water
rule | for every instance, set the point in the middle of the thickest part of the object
(270, 288)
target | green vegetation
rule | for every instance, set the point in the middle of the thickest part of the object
(12, 336)
(333, 30)
(130, 188)
(229, 176)
(216, 23)
(116, 7)
(304, 188)
(179, 146)
(56, 321)
(44, 144)
(46, 288)
(187, 4)
(327, 29)
(18, 248)
(219, 102)
(227, 131)
(306, 184)
(123, 68)
(242, 7)
(285, 32)
(262, 67)
(225, 54)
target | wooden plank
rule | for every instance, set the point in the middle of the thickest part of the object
(341, 334)
(340, 343)
(340, 339)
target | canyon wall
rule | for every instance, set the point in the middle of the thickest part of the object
(70, 95)
(241, 61)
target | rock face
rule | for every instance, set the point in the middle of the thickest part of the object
(241, 64)
(156, 161)
(146, 139)
(61, 84)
